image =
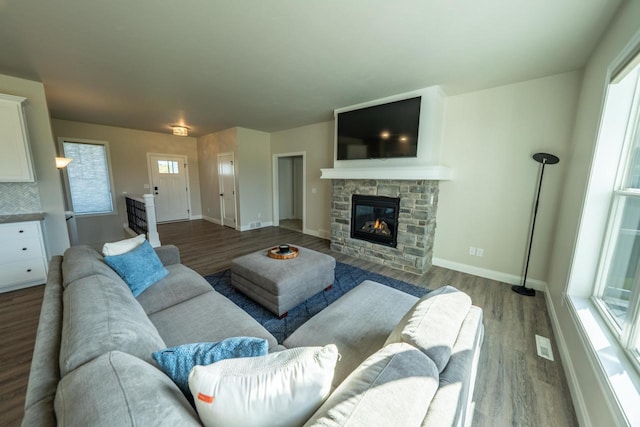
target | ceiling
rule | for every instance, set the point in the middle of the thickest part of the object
(271, 65)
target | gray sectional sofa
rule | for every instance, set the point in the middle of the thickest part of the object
(92, 363)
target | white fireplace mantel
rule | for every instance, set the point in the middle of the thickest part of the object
(436, 173)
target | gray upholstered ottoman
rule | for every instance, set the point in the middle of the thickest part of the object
(279, 285)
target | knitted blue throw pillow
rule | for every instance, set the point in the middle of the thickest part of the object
(177, 362)
(139, 268)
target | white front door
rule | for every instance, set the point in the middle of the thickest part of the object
(227, 179)
(169, 185)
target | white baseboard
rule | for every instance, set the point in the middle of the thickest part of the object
(248, 226)
(194, 217)
(213, 220)
(499, 276)
(577, 398)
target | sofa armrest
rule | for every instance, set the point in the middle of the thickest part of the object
(44, 373)
(168, 254)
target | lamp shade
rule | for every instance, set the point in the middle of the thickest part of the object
(62, 162)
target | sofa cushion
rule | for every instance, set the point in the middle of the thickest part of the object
(101, 315)
(122, 246)
(179, 285)
(139, 268)
(84, 261)
(433, 323)
(117, 389)
(451, 403)
(209, 317)
(177, 362)
(282, 388)
(393, 387)
(358, 323)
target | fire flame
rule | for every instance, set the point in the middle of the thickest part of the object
(377, 225)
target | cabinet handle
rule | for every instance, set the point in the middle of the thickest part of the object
(28, 270)
(21, 231)
(24, 249)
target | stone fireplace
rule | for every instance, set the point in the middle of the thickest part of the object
(413, 222)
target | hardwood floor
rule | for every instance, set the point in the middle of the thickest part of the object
(514, 387)
(291, 224)
(19, 313)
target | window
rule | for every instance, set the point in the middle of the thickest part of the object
(617, 291)
(168, 167)
(88, 177)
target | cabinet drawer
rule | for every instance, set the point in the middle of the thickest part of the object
(27, 271)
(19, 230)
(20, 250)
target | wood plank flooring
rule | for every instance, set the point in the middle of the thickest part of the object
(514, 387)
(19, 313)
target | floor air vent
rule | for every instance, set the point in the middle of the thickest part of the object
(543, 347)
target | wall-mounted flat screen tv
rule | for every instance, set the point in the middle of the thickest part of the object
(379, 132)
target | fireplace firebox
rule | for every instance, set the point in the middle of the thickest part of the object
(375, 219)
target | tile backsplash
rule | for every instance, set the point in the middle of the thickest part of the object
(19, 197)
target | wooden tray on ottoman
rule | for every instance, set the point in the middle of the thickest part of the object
(275, 253)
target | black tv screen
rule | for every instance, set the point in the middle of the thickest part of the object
(379, 132)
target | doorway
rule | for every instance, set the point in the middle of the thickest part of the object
(227, 180)
(289, 190)
(170, 185)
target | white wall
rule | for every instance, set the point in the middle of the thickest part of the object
(128, 149)
(253, 177)
(591, 403)
(317, 141)
(488, 140)
(43, 155)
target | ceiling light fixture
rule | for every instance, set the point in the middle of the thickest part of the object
(180, 130)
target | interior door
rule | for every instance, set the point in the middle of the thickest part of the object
(169, 185)
(227, 179)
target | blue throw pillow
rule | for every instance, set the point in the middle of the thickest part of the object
(139, 268)
(177, 362)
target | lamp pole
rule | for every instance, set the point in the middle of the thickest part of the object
(544, 159)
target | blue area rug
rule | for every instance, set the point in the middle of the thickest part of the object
(347, 278)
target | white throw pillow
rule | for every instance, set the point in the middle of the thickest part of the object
(279, 389)
(122, 246)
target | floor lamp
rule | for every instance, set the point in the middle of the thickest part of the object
(544, 159)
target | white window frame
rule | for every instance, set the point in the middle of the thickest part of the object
(114, 209)
(626, 333)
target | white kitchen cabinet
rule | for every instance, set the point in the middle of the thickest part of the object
(23, 260)
(15, 155)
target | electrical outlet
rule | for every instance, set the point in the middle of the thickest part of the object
(479, 252)
(259, 215)
(472, 250)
